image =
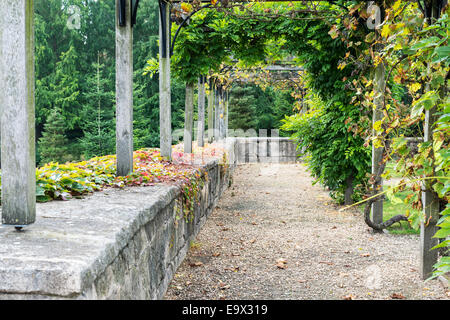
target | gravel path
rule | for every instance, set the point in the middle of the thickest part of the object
(276, 236)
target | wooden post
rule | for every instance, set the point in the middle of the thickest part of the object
(216, 113)
(201, 112)
(226, 114)
(211, 111)
(165, 125)
(17, 103)
(188, 117)
(377, 153)
(124, 90)
(430, 201)
(222, 114)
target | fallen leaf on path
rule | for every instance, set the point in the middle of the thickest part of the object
(327, 262)
(252, 241)
(365, 254)
(234, 269)
(281, 263)
(216, 254)
(397, 296)
(223, 286)
(349, 297)
(196, 264)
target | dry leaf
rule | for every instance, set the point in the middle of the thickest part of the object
(252, 241)
(281, 263)
(216, 254)
(397, 296)
(223, 286)
(349, 297)
(365, 254)
(327, 262)
(196, 264)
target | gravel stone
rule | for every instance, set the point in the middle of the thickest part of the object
(276, 236)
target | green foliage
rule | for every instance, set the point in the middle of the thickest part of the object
(53, 143)
(333, 153)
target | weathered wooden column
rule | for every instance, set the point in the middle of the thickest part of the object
(211, 111)
(377, 153)
(188, 117)
(222, 114)
(201, 111)
(430, 200)
(17, 103)
(226, 114)
(165, 124)
(124, 88)
(216, 113)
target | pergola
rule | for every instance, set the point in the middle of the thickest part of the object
(17, 99)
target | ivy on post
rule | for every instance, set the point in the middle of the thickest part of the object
(124, 87)
(430, 200)
(165, 125)
(201, 111)
(17, 101)
(377, 151)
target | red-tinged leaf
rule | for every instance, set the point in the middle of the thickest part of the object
(397, 296)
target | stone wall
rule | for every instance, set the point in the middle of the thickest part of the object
(265, 149)
(114, 244)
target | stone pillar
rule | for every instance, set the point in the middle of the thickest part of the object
(201, 112)
(188, 117)
(124, 91)
(165, 122)
(211, 112)
(17, 104)
(377, 153)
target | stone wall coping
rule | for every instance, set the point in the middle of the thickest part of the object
(72, 242)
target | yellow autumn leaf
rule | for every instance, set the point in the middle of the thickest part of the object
(377, 144)
(396, 5)
(186, 7)
(377, 125)
(415, 86)
(385, 31)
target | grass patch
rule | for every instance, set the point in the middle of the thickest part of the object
(391, 209)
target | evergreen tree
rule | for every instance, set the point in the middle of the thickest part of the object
(242, 108)
(97, 115)
(53, 143)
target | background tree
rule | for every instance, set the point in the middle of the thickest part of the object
(53, 143)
